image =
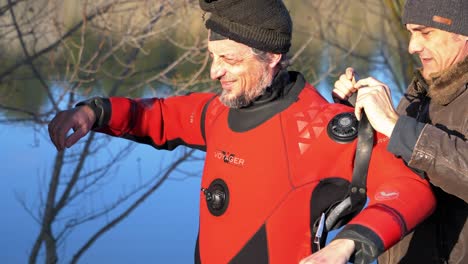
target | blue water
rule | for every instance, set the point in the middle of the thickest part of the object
(162, 230)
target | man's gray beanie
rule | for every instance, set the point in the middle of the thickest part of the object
(448, 15)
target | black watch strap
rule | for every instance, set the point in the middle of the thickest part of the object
(101, 108)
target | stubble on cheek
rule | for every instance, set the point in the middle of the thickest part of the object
(238, 99)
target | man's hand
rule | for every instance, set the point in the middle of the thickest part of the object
(373, 96)
(337, 252)
(80, 119)
(344, 86)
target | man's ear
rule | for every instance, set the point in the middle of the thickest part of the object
(275, 59)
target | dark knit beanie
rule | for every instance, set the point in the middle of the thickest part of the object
(448, 15)
(261, 24)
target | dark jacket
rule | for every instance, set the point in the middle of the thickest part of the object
(431, 136)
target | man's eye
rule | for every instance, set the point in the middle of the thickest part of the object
(230, 60)
(425, 33)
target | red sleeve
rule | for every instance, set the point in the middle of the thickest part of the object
(162, 123)
(399, 199)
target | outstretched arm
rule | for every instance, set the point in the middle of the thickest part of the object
(161, 123)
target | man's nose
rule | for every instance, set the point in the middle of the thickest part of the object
(217, 70)
(415, 45)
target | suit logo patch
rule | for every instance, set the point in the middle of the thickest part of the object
(386, 195)
(229, 158)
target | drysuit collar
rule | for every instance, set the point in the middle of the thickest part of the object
(283, 91)
(275, 90)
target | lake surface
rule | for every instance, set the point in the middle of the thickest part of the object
(163, 228)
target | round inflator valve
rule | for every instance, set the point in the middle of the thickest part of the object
(217, 197)
(343, 128)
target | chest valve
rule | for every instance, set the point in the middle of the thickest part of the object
(217, 197)
(343, 128)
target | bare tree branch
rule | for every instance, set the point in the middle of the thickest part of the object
(122, 216)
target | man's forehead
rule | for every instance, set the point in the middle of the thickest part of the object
(227, 46)
(416, 27)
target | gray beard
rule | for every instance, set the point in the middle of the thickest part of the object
(246, 98)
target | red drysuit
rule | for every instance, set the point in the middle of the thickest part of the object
(274, 160)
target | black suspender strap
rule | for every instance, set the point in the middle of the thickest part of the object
(365, 143)
(357, 193)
